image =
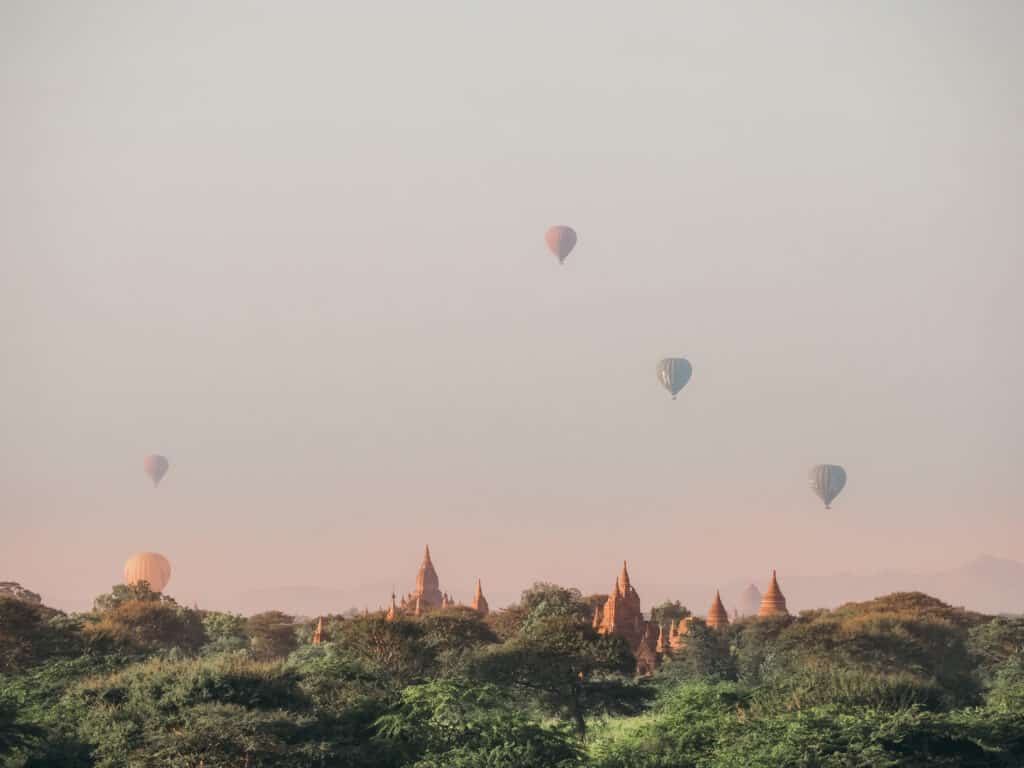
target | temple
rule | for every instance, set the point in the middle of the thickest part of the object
(479, 603)
(427, 596)
(773, 602)
(622, 616)
(717, 615)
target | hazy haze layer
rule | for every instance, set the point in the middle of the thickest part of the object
(298, 249)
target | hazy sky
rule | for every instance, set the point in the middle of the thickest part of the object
(298, 249)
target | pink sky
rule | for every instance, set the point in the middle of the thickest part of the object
(299, 251)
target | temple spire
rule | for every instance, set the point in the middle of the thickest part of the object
(624, 579)
(318, 633)
(479, 601)
(717, 615)
(773, 602)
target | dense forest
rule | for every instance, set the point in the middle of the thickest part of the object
(903, 680)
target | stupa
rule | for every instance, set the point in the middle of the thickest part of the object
(717, 615)
(773, 603)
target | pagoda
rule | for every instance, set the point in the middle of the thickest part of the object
(717, 615)
(773, 602)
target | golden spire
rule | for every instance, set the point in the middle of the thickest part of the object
(479, 601)
(427, 584)
(717, 615)
(318, 633)
(773, 602)
(624, 579)
(392, 609)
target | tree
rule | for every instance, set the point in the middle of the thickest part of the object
(145, 626)
(139, 592)
(225, 632)
(272, 634)
(31, 633)
(15, 733)
(396, 649)
(453, 634)
(21, 624)
(669, 612)
(559, 658)
(704, 655)
(457, 724)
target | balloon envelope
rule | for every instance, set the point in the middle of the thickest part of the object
(827, 480)
(150, 567)
(156, 467)
(561, 240)
(673, 373)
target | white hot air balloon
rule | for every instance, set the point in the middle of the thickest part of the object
(827, 480)
(673, 373)
(149, 567)
(156, 467)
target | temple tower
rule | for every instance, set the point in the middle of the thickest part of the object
(318, 633)
(428, 590)
(773, 603)
(621, 615)
(479, 603)
(717, 615)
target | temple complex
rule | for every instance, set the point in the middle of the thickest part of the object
(622, 616)
(773, 603)
(427, 596)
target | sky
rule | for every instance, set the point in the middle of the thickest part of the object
(298, 249)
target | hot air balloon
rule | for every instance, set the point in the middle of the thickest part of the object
(156, 467)
(149, 567)
(561, 240)
(827, 480)
(673, 373)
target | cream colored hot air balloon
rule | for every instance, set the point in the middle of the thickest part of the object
(156, 467)
(150, 567)
(561, 240)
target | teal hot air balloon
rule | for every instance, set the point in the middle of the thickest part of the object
(827, 480)
(673, 373)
